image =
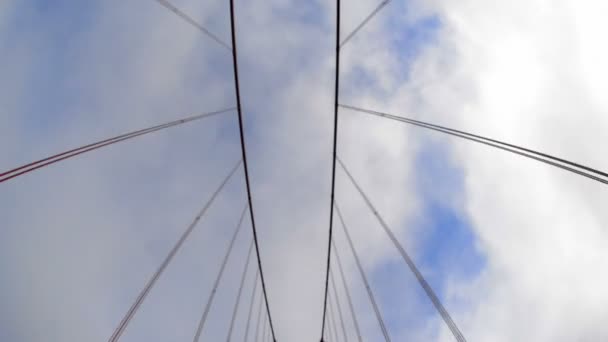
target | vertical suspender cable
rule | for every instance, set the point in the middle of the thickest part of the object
(350, 301)
(332, 319)
(203, 320)
(425, 285)
(240, 292)
(265, 319)
(255, 287)
(363, 276)
(144, 292)
(258, 320)
(337, 300)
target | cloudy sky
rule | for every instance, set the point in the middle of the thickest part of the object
(515, 249)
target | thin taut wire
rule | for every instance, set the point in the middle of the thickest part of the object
(144, 292)
(192, 22)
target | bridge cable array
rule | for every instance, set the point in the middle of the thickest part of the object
(332, 307)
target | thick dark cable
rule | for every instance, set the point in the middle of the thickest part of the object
(350, 301)
(337, 300)
(258, 321)
(255, 287)
(192, 22)
(367, 19)
(244, 157)
(6, 175)
(425, 285)
(333, 164)
(363, 276)
(522, 151)
(218, 278)
(240, 292)
(144, 292)
(332, 319)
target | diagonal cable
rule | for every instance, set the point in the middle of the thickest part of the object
(203, 320)
(365, 21)
(582, 170)
(144, 292)
(348, 297)
(255, 287)
(240, 292)
(333, 164)
(192, 22)
(339, 307)
(332, 319)
(264, 327)
(35, 165)
(258, 321)
(244, 157)
(363, 276)
(425, 285)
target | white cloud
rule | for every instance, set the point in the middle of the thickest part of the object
(529, 73)
(82, 238)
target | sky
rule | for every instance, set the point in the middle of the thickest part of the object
(515, 249)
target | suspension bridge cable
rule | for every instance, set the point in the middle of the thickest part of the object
(337, 300)
(258, 320)
(325, 333)
(332, 318)
(519, 150)
(365, 21)
(218, 278)
(244, 157)
(192, 22)
(144, 292)
(265, 319)
(425, 285)
(255, 287)
(240, 292)
(329, 332)
(350, 301)
(333, 162)
(18, 171)
(362, 273)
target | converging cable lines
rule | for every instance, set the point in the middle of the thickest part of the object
(192, 22)
(244, 158)
(347, 292)
(218, 278)
(365, 21)
(339, 307)
(258, 320)
(144, 292)
(363, 276)
(573, 167)
(333, 165)
(255, 287)
(332, 319)
(425, 285)
(35, 165)
(240, 292)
